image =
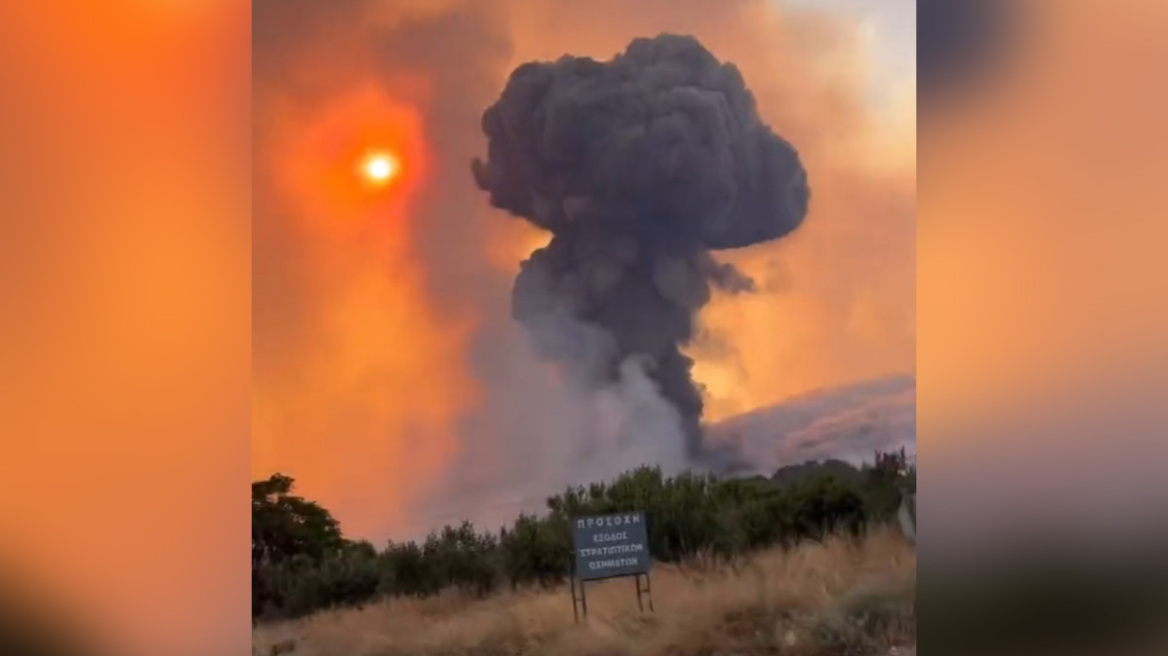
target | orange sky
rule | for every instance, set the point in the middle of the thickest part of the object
(386, 362)
(1043, 297)
(124, 251)
(1041, 226)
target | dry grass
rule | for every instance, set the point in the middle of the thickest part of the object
(836, 598)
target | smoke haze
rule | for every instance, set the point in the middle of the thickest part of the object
(390, 377)
(1041, 276)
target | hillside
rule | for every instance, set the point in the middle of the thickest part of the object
(846, 423)
(303, 564)
(819, 599)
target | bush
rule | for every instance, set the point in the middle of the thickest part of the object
(301, 565)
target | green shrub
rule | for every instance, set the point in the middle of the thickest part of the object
(301, 563)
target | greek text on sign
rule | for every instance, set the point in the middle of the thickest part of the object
(608, 546)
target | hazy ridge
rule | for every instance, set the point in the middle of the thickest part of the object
(847, 423)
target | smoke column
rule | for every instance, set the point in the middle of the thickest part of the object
(639, 167)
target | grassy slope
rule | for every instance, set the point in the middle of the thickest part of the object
(837, 598)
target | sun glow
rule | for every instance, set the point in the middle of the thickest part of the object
(380, 168)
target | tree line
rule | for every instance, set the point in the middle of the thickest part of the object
(302, 563)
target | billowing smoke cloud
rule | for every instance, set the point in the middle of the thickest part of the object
(639, 167)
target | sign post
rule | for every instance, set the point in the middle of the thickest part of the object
(609, 547)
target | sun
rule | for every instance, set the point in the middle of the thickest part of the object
(380, 168)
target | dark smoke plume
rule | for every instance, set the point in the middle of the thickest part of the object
(958, 41)
(639, 166)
